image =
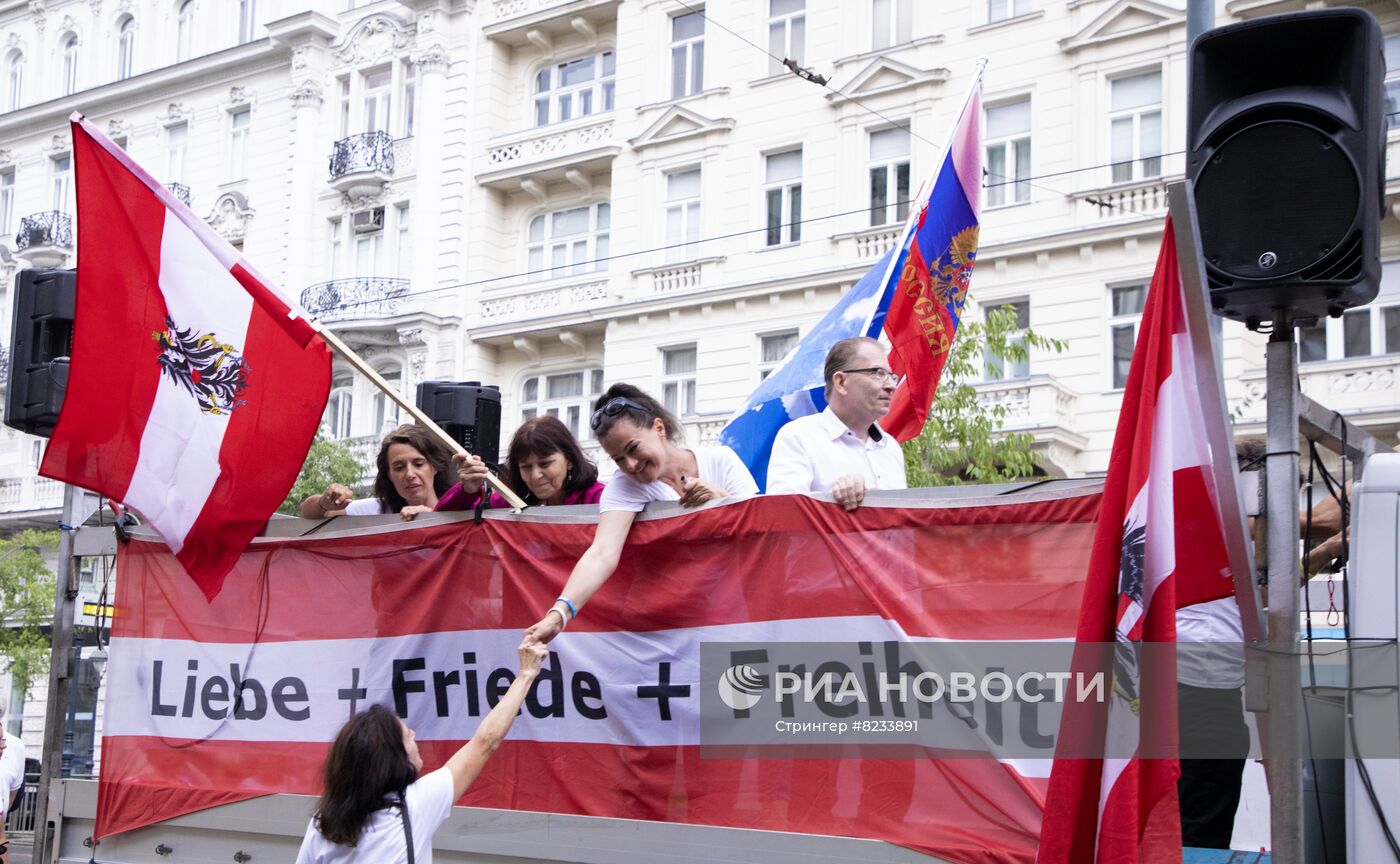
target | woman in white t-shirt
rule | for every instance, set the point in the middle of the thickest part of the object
(374, 800)
(644, 439)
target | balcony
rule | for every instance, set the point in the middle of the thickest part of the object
(679, 277)
(361, 164)
(533, 301)
(45, 238)
(1045, 408)
(1366, 390)
(535, 157)
(515, 22)
(180, 191)
(18, 494)
(355, 299)
(868, 244)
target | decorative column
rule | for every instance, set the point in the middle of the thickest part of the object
(431, 93)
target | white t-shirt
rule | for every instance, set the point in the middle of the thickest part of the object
(717, 464)
(811, 452)
(429, 805)
(364, 507)
(1215, 636)
(11, 770)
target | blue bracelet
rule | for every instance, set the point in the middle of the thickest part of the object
(573, 610)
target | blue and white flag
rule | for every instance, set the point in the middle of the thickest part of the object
(796, 388)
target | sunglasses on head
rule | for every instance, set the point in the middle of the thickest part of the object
(614, 407)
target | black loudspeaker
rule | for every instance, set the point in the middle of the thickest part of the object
(40, 342)
(1286, 143)
(468, 411)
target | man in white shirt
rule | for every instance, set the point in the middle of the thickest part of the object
(843, 450)
(11, 768)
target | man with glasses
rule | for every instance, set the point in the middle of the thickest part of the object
(843, 450)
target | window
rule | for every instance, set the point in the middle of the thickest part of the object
(1008, 153)
(772, 348)
(247, 20)
(386, 410)
(577, 88)
(678, 380)
(239, 124)
(782, 192)
(566, 395)
(682, 215)
(1126, 305)
(377, 100)
(1356, 333)
(996, 368)
(1000, 10)
(70, 65)
(407, 87)
(892, 23)
(334, 245)
(62, 183)
(567, 242)
(7, 201)
(1392, 81)
(36, 452)
(1135, 126)
(184, 31)
(889, 176)
(403, 247)
(1390, 329)
(369, 250)
(339, 408)
(787, 33)
(1312, 342)
(687, 54)
(176, 139)
(14, 82)
(1359, 333)
(344, 107)
(126, 47)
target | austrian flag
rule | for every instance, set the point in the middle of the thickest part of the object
(195, 387)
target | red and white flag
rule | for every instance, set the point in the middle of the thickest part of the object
(1158, 546)
(195, 387)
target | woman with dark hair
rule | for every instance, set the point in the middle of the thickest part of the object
(544, 465)
(415, 469)
(644, 439)
(374, 800)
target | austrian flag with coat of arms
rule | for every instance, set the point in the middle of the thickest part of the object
(195, 386)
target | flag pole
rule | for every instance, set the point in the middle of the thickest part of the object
(358, 363)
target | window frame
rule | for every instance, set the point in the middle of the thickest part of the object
(891, 170)
(692, 51)
(185, 31)
(1020, 370)
(898, 24)
(597, 240)
(780, 29)
(9, 177)
(684, 383)
(1011, 10)
(247, 21)
(1015, 190)
(768, 367)
(61, 182)
(126, 47)
(684, 245)
(1114, 322)
(340, 408)
(1137, 163)
(385, 414)
(174, 152)
(14, 81)
(789, 225)
(600, 88)
(560, 406)
(71, 51)
(239, 143)
(1334, 334)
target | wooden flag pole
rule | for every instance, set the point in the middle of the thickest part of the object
(422, 419)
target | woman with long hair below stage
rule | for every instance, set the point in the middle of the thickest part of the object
(644, 440)
(375, 808)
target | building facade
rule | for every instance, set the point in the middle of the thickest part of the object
(552, 195)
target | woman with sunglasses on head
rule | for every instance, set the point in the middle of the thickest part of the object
(644, 439)
(544, 466)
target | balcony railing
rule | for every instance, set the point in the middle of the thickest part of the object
(18, 494)
(551, 153)
(49, 228)
(365, 152)
(181, 191)
(355, 298)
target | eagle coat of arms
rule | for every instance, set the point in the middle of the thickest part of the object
(213, 372)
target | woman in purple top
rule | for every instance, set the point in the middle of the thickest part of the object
(544, 465)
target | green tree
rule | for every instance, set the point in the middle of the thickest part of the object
(326, 462)
(26, 604)
(963, 440)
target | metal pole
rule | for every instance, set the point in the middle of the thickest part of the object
(1200, 17)
(60, 672)
(1285, 727)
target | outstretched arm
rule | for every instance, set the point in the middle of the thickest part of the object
(591, 571)
(467, 762)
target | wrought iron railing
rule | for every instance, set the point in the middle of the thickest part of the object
(181, 191)
(358, 297)
(49, 228)
(368, 151)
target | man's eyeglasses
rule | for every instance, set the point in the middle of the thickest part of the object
(614, 407)
(879, 373)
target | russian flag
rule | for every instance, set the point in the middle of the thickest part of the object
(915, 295)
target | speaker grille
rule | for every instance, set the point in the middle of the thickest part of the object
(1276, 199)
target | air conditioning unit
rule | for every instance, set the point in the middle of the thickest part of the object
(368, 221)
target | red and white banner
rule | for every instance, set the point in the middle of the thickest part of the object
(1159, 546)
(215, 702)
(195, 387)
